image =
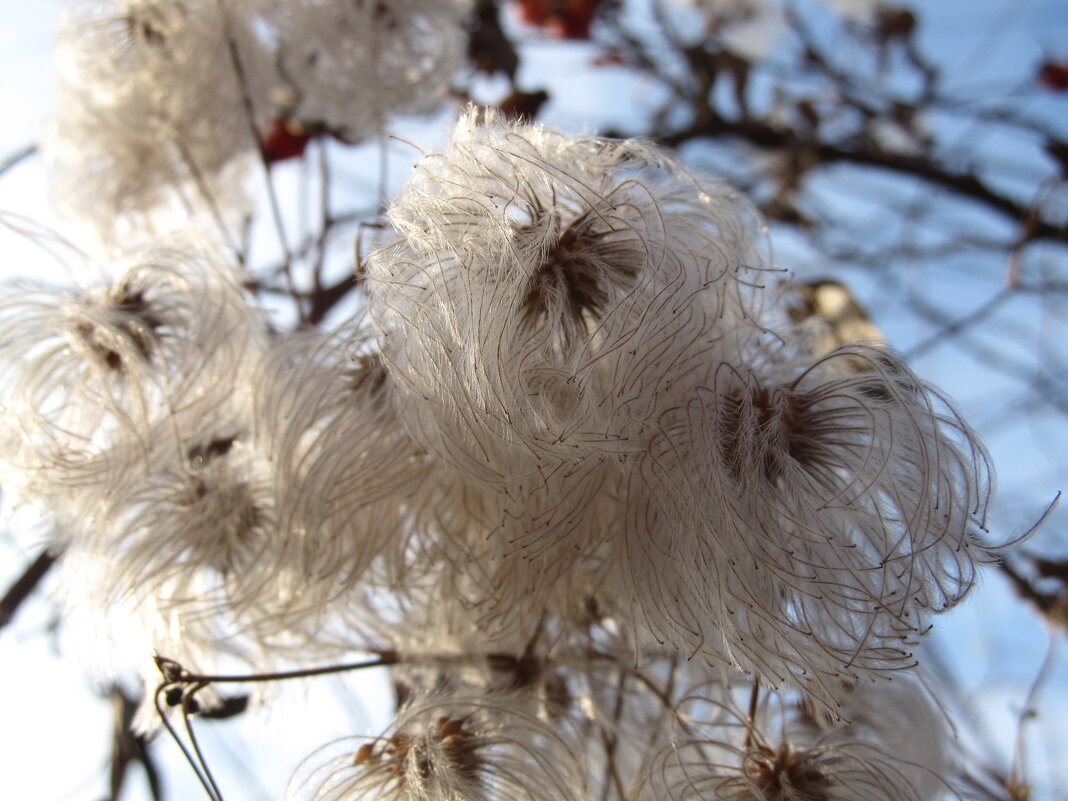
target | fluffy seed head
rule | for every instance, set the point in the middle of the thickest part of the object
(350, 67)
(152, 113)
(549, 294)
(816, 517)
(457, 748)
(348, 477)
(165, 341)
(776, 752)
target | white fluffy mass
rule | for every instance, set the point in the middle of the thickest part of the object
(571, 442)
(575, 326)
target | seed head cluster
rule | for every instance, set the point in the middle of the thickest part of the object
(165, 105)
(572, 465)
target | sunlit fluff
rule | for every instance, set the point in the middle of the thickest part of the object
(549, 294)
(350, 67)
(781, 753)
(455, 748)
(809, 520)
(84, 369)
(547, 300)
(187, 545)
(348, 477)
(154, 104)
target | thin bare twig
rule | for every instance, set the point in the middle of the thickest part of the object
(16, 158)
(609, 740)
(25, 584)
(129, 747)
(1017, 779)
(960, 324)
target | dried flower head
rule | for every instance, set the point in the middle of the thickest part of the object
(550, 294)
(154, 108)
(349, 67)
(815, 517)
(775, 752)
(169, 340)
(566, 325)
(547, 300)
(209, 510)
(458, 748)
(348, 477)
(176, 557)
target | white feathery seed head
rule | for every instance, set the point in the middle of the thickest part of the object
(808, 520)
(573, 326)
(184, 560)
(153, 110)
(169, 340)
(781, 753)
(348, 477)
(351, 66)
(193, 536)
(446, 747)
(546, 300)
(549, 295)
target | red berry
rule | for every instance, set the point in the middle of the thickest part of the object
(565, 19)
(1054, 76)
(285, 140)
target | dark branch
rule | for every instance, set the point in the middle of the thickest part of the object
(24, 585)
(128, 747)
(770, 137)
(324, 299)
(1052, 605)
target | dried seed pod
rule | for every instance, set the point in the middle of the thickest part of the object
(456, 748)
